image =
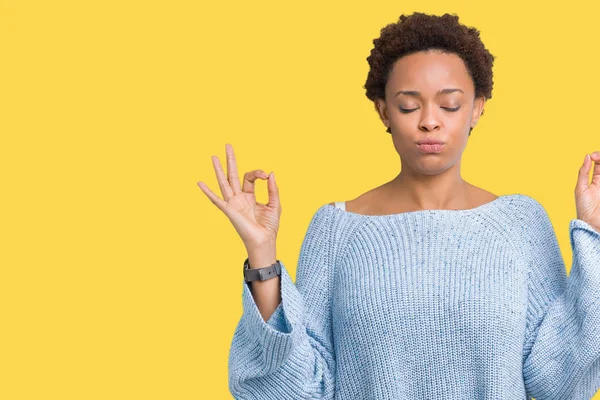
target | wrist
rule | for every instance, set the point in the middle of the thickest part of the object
(260, 258)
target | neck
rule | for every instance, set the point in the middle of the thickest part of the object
(444, 191)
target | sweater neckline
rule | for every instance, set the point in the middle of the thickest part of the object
(479, 208)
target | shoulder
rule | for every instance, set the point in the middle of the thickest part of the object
(526, 207)
(522, 214)
(371, 202)
(331, 220)
(530, 222)
(329, 230)
(479, 196)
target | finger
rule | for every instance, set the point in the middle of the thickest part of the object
(232, 172)
(216, 200)
(222, 179)
(596, 174)
(584, 174)
(273, 191)
(249, 179)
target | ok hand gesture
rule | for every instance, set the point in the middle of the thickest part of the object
(587, 195)
(256, 223)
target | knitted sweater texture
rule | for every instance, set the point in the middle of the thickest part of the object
(429, 304)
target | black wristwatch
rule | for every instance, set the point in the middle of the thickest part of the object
(261, 274)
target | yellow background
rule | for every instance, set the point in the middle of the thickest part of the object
(119, 278)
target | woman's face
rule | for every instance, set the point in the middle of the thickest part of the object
(430, 95)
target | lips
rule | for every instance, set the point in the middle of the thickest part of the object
(430, 148)
(430, 141)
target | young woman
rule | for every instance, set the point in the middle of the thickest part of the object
(427, 286)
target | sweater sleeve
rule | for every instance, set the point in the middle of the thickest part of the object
(290, 356)
(561, 357)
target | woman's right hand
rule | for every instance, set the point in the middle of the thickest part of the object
(256, 223)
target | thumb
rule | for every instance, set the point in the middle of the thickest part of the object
(595, 159)
(273, 191)
(584, 174)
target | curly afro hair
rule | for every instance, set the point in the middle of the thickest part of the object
(421, 32)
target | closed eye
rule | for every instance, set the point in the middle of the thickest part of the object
(406, 111)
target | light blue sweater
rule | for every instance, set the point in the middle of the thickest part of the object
(429, 304)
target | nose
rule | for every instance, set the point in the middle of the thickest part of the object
(429, 120)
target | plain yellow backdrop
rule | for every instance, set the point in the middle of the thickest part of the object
(119, 278)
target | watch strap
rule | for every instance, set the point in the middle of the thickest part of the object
(261, 274)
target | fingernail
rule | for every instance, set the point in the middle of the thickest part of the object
(273, 173)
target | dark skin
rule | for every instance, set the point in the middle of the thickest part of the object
(427, 181)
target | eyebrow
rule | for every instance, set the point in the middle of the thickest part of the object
(416, 93)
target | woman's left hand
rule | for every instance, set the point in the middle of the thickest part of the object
(587, 195)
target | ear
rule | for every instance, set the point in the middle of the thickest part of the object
(477, 110)
(381, 109)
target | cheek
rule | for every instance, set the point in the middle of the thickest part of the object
(406, 148)
(405, 126)
(457, 120)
